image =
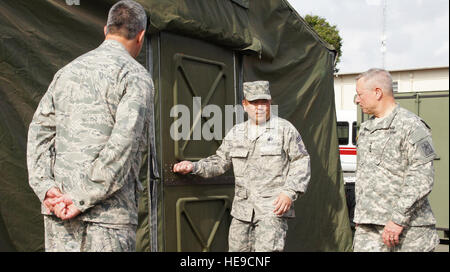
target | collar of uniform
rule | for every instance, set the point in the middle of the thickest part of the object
(272, 122)
(386, 123)
(114, 44)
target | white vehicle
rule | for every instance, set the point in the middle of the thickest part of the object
(346, 130)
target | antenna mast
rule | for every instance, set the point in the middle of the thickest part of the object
(383, 36)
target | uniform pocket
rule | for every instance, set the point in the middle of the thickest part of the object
(241, 193)
(270, 150)
(273, 159)
(239, 158)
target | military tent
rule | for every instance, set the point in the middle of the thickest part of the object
(194, 48)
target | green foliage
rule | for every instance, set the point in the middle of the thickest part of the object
(327, 32)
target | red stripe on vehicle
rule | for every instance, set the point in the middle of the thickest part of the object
(347, 151)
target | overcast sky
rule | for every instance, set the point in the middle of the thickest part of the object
(417, 31)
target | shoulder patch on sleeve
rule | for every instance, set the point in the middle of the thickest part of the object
(421, 138)
(417, 135)
(426, 148)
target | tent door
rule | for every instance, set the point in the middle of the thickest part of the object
(195, 81)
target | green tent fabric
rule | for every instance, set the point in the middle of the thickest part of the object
(223, 22)
(39, 37)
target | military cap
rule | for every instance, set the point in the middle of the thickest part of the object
(257, 90)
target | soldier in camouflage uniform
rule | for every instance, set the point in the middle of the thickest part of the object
(271, 168)
(86, 140)
(394, 172)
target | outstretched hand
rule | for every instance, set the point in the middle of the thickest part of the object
(183, 167)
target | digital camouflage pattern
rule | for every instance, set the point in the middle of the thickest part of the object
(256, 90)
(267, 234)
(395, 171)
(79, 236)
(273, 161)
(89, 131)
(414, 239)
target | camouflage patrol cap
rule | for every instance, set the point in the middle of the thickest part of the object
(257, 90)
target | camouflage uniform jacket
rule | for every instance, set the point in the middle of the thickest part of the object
(89, 131)
(276, 161)
(394, 171)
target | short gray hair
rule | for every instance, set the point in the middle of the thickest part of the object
(126, 18)
(379, 76)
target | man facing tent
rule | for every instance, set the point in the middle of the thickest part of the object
(86, 139)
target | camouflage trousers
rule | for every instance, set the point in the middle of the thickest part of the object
(413, 239)
(79, 236)
(265, 235)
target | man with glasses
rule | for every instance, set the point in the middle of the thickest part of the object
(394, 172)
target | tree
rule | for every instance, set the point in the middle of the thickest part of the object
(327, 32)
